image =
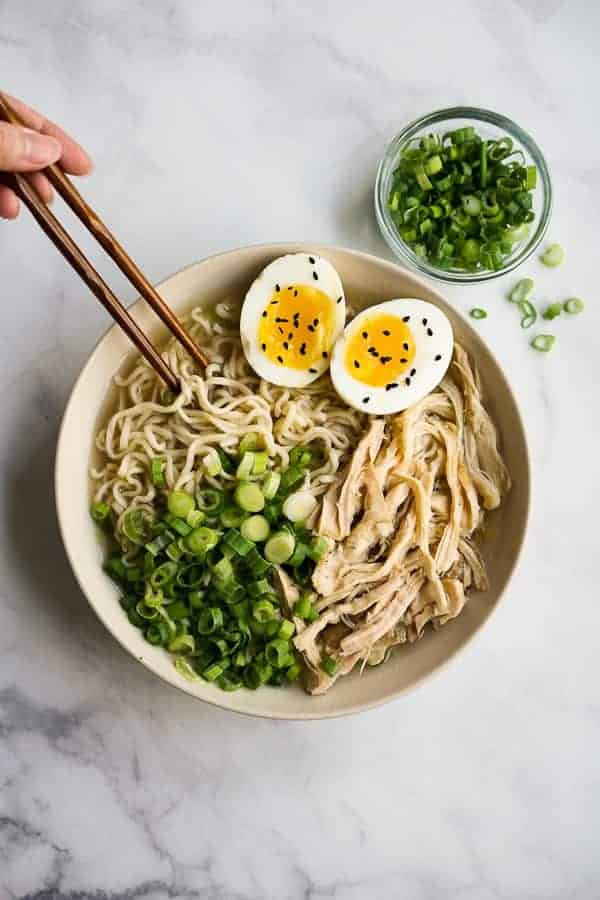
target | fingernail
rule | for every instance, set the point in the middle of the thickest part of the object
(39, 149)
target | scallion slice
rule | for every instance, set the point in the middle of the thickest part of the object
(100, 512)
(270, 485)
(528, 313)
(521, 290)
(574, 306)
(553, 255)
(249, 497)
(298, 506)
(280, 547)
(156, 472)
(180, 504)
(543, 342)
(552, 311)
(477, 313)
(255, 528)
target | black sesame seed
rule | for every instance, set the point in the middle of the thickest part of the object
(303, 349)
(356, 364)
(339, 299)
(263, 346)
(280, 330)
(405, 346)
(279, 359)
(324, 354)
(372, 350)
(386, 332)
(365, 334)
(438, 357)
(407, 382)
(403, 360)
(365, 399)
(279, 319)
(295, 293)
(391, 385)
(406, 318)
(313, 371)
(296, 323)
(290, 287)
(265, 314)
(311, 327)
(286, 346)
(430, 332)
(277, 288)
(274, 302)
(424, 321)
(311, 260)
(290, 335)
(315, 322)
(315, 276)
(413, 372)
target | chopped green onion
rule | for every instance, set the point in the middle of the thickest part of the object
(528, 313)
(214, 671)
(263, 610)
(329, 665)
(260, 587)
(209, 500)
(286, 629)
(291, 476)
(552, 311)
(299, 555)
(298, 506)
(163, 574)
(183, 643)
(543, 342)
(255, 528)
(259, 462)
(245, 467)
(270, 485)
(223, 570)
(238, 542)
(195, 518)
(249, 497)
(280, 547)
(135, 524)
(255, 562)
(251, 441)
(317, 548)
(178, 525)
(573, 306)
(278, 653)
(100, 512)
(180, 504)
(212, 465)
(201, 540)
(293, 672)
(159, 543)
(304, 606)
(185, 668)
(175, 551)
(477, 313)
(553, 255)
(157, 466)
(229, 681)
(232, 517)
(521, 290)
(196, 599)
(156, 633)
(210, 620)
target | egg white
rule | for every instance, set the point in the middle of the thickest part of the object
(429, 370)
(297, 269)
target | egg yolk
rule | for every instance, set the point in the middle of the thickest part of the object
(380, 350)
(296, 326)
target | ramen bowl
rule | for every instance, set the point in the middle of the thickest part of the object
(367, 280)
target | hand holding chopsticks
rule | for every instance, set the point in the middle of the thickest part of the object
(22, 185)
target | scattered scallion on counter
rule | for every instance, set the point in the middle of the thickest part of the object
(521, 290)
(553, 256)
(461, 201)
(196, 577)
(552, 311)
(478, 313)
(528, 313)
(543, 342)
(573, 306)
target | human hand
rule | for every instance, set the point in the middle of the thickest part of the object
(33, 148)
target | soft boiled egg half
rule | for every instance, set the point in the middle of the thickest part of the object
(291, 317)
(392, 355)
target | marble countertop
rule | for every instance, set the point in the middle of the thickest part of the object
(212, 126)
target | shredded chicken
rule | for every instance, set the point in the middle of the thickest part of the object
(403, 518)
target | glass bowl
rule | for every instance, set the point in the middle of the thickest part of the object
(489, 125)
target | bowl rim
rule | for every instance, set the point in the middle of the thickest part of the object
(61, 473)
(480, 114)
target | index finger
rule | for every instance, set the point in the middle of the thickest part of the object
(74, 159)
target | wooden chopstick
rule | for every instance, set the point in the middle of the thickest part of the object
(107, 240)
(69, 249)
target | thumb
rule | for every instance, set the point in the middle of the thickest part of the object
(24, 150)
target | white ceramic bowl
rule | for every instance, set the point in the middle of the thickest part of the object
(367, 280)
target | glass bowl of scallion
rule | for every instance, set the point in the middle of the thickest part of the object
(463, 195)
